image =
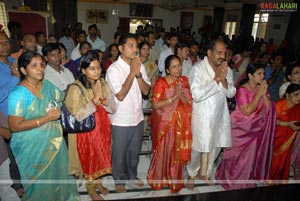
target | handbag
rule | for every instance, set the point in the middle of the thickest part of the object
(83, 121)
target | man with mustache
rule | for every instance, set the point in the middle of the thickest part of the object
(9, 78)
(211, 83)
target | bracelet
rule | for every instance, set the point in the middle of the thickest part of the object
(224, 81)
(102, 99)
(38, 123)
(257, 99)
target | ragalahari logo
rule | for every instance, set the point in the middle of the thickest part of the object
(278, 7)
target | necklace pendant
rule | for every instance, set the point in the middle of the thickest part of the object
(41, 96)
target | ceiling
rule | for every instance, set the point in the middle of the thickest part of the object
(195, 3)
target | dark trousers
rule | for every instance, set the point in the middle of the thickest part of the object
(14, 171)
(126, 147)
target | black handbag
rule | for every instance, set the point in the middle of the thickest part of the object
(69, 122)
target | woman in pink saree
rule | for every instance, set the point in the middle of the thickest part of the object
(253, 126)
(171, 128)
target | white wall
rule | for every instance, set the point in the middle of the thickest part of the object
(281, 19)
(170, 19)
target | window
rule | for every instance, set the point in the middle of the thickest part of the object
(3, 17)
(260, 25)
(230, 25)
(230, 29)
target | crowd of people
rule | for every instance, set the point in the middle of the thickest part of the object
(222, 109)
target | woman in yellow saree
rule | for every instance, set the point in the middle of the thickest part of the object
(37, 142)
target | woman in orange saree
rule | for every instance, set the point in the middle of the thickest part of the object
(287, 128)
(171, 128)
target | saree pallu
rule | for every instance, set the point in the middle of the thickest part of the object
(152, 70)
(94, 148)
(249, 158)
(171, 137)
(295, 157)
(41, 153)
(284, 138)
(240, 66)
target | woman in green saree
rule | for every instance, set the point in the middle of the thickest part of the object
(37, 142)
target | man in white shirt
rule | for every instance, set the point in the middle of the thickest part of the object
(80, 37)
(128, 80)
(211, 83)
(193, 58)
(41, 40)
(172, 40)
(57, 74)
(94, 40)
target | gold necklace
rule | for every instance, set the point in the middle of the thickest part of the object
(39, 95)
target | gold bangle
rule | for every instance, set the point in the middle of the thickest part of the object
(38, 123)
(102, 99)
(257, 99)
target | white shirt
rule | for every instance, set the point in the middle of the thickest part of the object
(186, 68)
(161, 62)
(39, 49)
(283, 88)
(210, 117)
(60, 80)
(129, 112)
(190, 60)
(97, 44)
(159, 44)
(75, 53)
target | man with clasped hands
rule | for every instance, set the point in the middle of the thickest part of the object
(128, 80)
(211, 83)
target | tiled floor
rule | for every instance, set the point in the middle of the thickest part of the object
(201, 192)
(146, 191)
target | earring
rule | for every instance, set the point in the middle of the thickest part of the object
(167, 71)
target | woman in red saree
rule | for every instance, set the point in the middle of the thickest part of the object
(287, 128)
(171, 128)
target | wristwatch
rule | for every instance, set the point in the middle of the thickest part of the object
(137, 76)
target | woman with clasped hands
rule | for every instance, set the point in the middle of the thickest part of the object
(92, 148)
(171, 128)
(253, 128)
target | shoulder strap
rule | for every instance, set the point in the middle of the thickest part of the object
(80, 88)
